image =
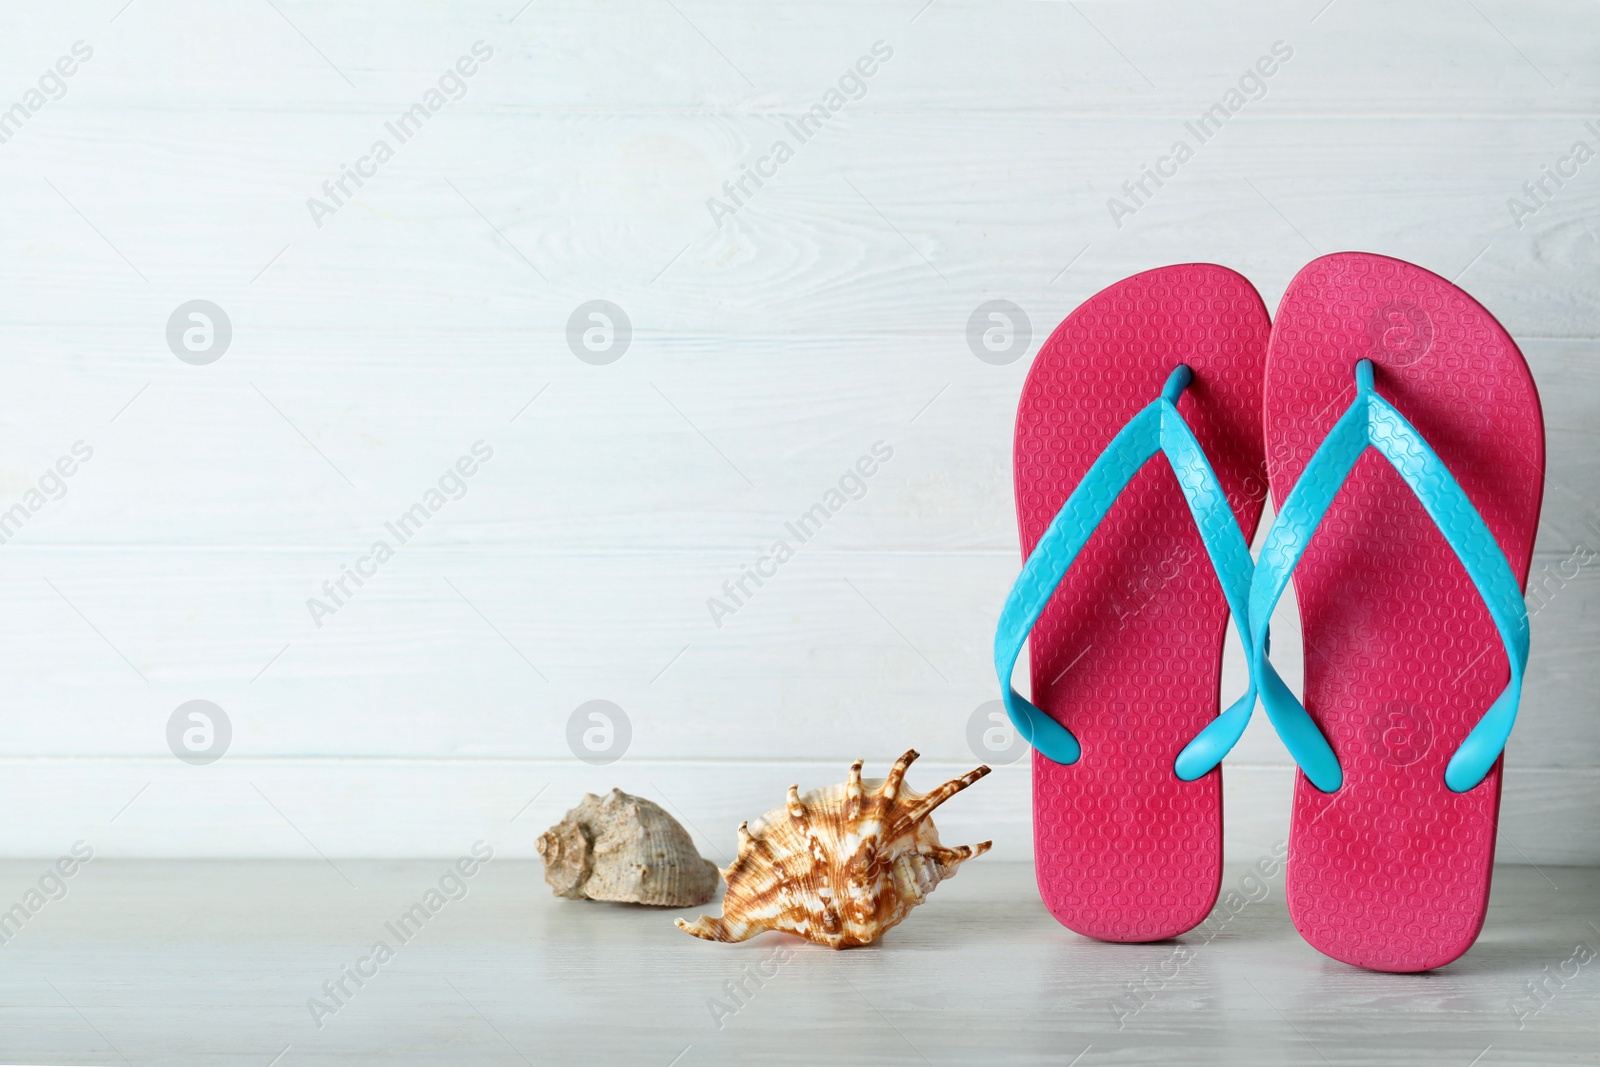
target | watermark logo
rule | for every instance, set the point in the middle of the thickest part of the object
(1537, 993)
(739, 992)
(451, 886)
(199, 332)
(1398, 733)
(599, 332)
(50, 887)
(1399, 333)
(851, 87)
(999, 332)
(199, 732)
(451, 485)
(991, 736)
(1542, 587)
(52, 485)
(51, 85)
(450, 87)
(599, 732)
(1541, 190)
(852, 485)
(1253, 887)
(1251, 86)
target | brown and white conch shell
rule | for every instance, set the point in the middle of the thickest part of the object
(839, 865)
(625, 848)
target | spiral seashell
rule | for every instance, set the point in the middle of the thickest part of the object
(625, 848)
(839, 865)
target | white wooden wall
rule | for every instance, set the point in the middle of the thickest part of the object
(769, 351)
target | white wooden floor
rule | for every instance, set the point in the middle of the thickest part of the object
(196, 962)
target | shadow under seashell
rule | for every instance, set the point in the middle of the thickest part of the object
(839, 865)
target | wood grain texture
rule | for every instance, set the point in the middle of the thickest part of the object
(769, 353)
(140, 953)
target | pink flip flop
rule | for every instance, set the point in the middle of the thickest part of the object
(1422, 417)
(1126, 651)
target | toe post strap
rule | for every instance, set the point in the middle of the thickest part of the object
(1156, 428)
(1373, 422)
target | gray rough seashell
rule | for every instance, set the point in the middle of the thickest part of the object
(625, 848)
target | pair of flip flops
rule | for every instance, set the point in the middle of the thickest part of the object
(1398, 430)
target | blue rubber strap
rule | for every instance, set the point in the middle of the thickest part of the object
(1157, 428)
(1372, 421)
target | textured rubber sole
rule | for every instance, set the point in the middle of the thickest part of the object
(1391, 872)
(1128, 653)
